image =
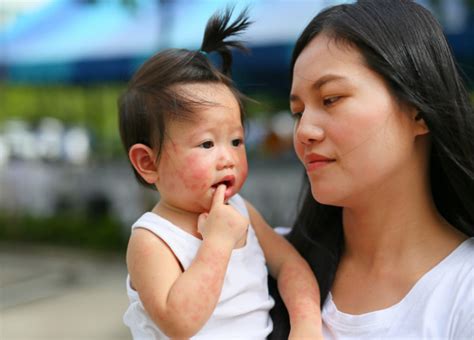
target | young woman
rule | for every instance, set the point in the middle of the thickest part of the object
(385, 130)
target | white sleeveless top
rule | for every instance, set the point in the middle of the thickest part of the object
(242, 311)
(439, 306)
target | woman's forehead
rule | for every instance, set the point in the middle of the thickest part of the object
(325, 60)
(323, 52)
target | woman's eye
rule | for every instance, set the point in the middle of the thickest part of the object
(297, 115)
(207, 145)
(237, 142)
(330, 100)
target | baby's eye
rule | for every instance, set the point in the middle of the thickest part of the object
(237, 142)
(330, 100)
(207, 145)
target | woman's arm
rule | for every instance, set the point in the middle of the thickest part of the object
(296, 283)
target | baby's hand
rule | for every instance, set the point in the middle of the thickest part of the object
(223, 223)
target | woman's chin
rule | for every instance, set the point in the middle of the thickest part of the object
(326, 197)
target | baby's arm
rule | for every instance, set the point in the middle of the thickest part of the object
(179, 302)
(296, 282)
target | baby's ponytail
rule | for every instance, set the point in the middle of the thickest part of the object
(219, 29)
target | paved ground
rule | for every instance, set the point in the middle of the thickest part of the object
(58, 293)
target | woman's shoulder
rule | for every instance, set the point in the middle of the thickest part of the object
(449, 284)
(463, 256)
(460, 293)
(469, 244)
(457, 274)
(460, 263)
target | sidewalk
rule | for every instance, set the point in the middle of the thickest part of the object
(63, 294)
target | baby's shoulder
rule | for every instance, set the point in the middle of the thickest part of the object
(239, 203)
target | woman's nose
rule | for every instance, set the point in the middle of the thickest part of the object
(308, 130)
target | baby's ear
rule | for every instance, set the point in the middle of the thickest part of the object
(143, 159)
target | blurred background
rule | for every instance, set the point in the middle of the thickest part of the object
(67, 193)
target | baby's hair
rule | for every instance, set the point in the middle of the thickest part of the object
(218, 29)
(153, 98)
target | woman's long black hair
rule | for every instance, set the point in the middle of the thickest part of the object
(401, 41)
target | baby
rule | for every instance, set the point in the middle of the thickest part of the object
(198, 261)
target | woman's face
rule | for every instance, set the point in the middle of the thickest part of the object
(352, 136)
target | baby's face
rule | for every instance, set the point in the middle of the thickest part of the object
(200, 154)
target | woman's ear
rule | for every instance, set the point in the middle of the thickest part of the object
(420, 124)
(143, 159)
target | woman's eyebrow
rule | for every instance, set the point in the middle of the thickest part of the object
(293, 97)
(327, 78)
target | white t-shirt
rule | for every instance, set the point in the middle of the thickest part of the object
(242, 311)
(439, 306)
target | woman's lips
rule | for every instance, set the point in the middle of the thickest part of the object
(316, 165)
(315, 161)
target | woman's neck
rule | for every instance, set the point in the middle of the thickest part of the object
(395, 225)
(389, 246)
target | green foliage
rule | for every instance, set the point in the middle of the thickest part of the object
(92, 107)
(100, 233)
(265, 103)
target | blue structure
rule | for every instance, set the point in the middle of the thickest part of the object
(78, 41)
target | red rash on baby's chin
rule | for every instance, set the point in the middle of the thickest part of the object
(172, 186)
(195, 187)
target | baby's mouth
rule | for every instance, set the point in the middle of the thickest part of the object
(227, 181)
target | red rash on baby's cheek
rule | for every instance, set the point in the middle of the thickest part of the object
(199, 170)
(244, 171)
(197, 182)
(191, 173)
